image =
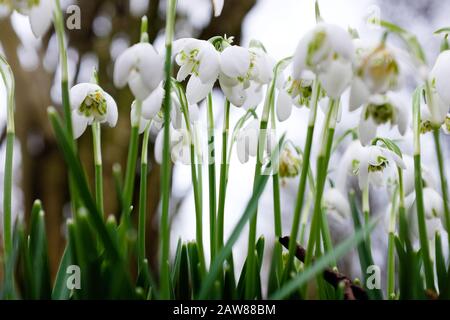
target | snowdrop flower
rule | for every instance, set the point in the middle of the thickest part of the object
(294, 92)
(336, 206)
(435, 117)
(141, 67)
(217, 7)
(90, 104)
(200, 60)
(39, 12)
(247, 141)
(433, 209)
(289, 164)
(180, 143)
(239, 67)
(440, 93)
(439, 76)
(382, 109)
(327, 50)
(374, 165)
(376, 71)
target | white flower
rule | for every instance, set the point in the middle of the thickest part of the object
(141, 67)
(374, 165)
(89, 103)
(440, 76)
(382, 109)
(440, 90)
(217, 7)
(179, 146)
(376, 71)
(434, 117)
(336, 206)
(39, 12)
(239, 68)
(247, 141)
(293, 92)
(199, 59)
(327, 50)
(409, 176)
(433, 209)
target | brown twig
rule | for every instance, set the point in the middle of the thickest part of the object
(333, 277)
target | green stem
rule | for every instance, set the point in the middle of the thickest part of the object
(58, 23)
(143, 197)
(212, 176)
(196, 176)
(428, 266)
(250, 288)
(130, 171)
(224, 165)
(322, 170)
(96, 137)
(443, 179)
(303, 178)
(8, 79)
(166, 165)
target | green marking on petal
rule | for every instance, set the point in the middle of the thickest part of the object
(315, 45)
(94, 105)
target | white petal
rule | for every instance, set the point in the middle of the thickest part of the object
(367, 130)
(235, 61)
(341, 41)
(123, 66)
(336, 78)
(217, 7)
(150, 65)
(209, 67)
(184, 71)
(79, 124)
(196, 90)
(433, 204)
(112, 114)
(152, 104)
(194, 112)
(79, 92)
(254, 96)
(252, 132)
(440, 73)
(41, 16)
(359, 94)
(284, 105)
(241, 147)
(235, 94)
(137, 86)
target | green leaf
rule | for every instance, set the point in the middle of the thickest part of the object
(323, 262)
(182, 287)
(441, 270)
(60, 291)
(391, 145)
(364, 250)
(445, 30)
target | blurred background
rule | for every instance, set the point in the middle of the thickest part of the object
(107, 28)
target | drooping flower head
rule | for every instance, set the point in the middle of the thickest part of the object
(40, 13)
(200, 60)
(440, 90)
(90, 104)
(327, 50)
(377, 71)
(240, 68)
(374, 165)
(379, 110)
(141, 67)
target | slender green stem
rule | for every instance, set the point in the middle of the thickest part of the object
(8, 79)
(443, 178)
(224, 165)
(196, 171)
(130, 171)
(143, 196)
(212, 176)
(250, 288)
(366, 210)
(303, 178)
(428, 266)
(96, 137)
(322, 170)
(58, 23)
(166, 165)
